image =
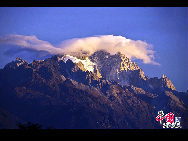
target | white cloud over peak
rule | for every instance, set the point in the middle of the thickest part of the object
(133, 49)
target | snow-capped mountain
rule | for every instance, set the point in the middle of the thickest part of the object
(96, 91)
(87, 64)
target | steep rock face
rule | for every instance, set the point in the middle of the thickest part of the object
(121, 69)
(167, 83)
(160, 83)
(118, 68)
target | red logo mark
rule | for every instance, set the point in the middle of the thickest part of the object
(169, 117)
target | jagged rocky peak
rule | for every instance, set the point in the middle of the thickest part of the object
(120, 68)
(96, 71)
(17, 63)
(84, 63)
(122, 61)
(79, 62)
(36, 63)
(126, 64)
(117, 67)
(165, 81)
(164, 76)
(114, 67)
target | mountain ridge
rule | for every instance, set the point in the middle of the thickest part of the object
(74, 96)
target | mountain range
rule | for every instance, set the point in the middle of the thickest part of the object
(98, 91)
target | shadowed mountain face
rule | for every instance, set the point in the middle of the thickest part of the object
(97, 91)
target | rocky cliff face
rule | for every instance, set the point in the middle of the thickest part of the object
(118, 68)
(160, 83)
(121, 69)
(97, 91)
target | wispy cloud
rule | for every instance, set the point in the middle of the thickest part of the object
(112, 44)
(29, 42)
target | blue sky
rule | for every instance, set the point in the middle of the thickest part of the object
(163, 27)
